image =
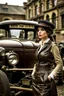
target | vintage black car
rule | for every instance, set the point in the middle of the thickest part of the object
(17, 48)
(18, 43)
(61, 47)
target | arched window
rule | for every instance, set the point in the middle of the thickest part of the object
(54, 19)
(47, 17)
(36, 10)
(49, 4)
(41, 7)
(6, 19)
(29, 13)
(54, 3)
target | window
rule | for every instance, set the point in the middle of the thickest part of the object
(2, 33)
(30, 35)
(29, 13)
(36, 10)
(63, 21)
(49, 4)
(54, 19)
(5, 9)
(54, 3)
(41, 7)
(47, 17)
(32, 12)
(15, 33)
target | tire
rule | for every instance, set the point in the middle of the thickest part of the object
(4, 85)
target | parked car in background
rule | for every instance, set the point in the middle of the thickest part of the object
(61, 48)
(60, 76)
(17, 48)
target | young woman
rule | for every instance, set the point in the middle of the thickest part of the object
(49, 61)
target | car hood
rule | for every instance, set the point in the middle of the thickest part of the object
(17, 44)
(24, 49)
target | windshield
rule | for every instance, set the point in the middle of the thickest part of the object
(21, 33)
(15, 33)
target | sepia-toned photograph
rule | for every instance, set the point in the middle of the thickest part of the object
(31, 47)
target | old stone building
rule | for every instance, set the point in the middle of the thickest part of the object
(52, 10)
(8, 12)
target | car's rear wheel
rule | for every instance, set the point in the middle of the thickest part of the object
(4, 85)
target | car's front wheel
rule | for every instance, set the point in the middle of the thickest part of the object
(4, 85)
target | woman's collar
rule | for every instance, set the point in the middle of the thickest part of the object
(43, 42)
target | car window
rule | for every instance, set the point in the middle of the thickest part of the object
(30, 35)
(2, 33)
(17, 33)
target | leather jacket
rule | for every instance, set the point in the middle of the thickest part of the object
(48, 58)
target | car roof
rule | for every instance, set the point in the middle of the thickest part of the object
(8, 22)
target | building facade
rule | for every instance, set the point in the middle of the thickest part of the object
(10, 12)
(52, 10)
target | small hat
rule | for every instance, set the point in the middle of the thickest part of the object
(45, 24)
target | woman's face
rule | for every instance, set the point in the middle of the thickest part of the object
(42, 34)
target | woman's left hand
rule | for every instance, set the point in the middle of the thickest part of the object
(49, 78)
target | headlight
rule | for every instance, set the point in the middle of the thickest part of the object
(12, 58)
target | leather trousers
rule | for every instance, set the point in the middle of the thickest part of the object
(42, 86)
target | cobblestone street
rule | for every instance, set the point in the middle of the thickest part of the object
(60, 89)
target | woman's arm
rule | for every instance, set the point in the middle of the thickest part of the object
(34, 69)
(59, 64)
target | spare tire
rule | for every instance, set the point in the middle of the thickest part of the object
(4, 85)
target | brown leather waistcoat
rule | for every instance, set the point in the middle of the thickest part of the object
(45, 57)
